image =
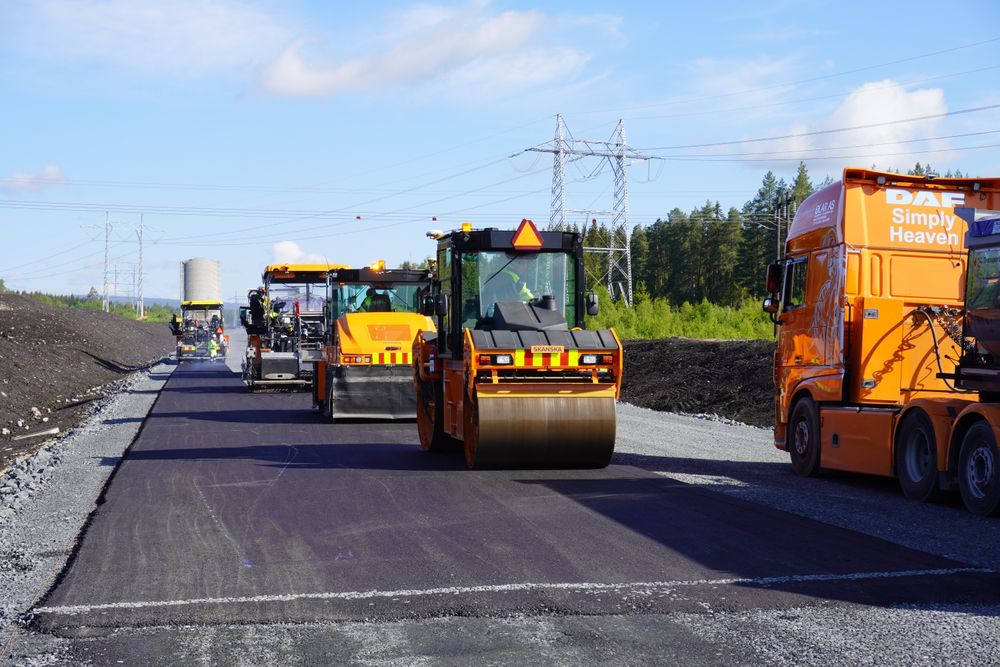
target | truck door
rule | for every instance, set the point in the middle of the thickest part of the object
(811, 311)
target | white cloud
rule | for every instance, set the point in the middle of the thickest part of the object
(19, 181)
(180, 37)
(289, 252)
(743, 82)
(873, 103)
(468, 46)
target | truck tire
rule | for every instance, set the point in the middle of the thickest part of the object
(916, 457)
(803, 438)
(979, 471)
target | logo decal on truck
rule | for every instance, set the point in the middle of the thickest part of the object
(932, 228)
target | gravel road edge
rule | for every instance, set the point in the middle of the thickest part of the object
(47, 498)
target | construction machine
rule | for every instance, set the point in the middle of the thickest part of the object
(285, 325)
(888, 351)
(373, 315)
(198, 331)
(511, 374)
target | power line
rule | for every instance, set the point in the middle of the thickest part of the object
(853, 156)
(831, 131)
(837, 148)
(797, 82)
(787, 103)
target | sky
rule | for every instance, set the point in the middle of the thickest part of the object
(283, 131)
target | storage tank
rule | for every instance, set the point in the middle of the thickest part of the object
(200, 280)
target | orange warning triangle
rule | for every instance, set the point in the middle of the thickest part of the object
(527, 237)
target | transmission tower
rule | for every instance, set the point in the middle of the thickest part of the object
(107, 268)
(140, 306)
(619, 154)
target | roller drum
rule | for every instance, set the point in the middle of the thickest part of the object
(541, 432)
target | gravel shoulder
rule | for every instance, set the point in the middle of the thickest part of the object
(47, 497)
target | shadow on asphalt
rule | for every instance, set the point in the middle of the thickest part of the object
(744, 540)
(750, 473)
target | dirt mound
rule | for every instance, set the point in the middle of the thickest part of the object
(53, 362)
(729, 378)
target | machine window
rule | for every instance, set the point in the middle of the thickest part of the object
(795, 283)
(489, 277)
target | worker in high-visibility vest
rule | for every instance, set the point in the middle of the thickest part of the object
(213, 348)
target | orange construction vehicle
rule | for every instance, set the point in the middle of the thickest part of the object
(372, 315)
(284, 324)
(873, 335)
(511, 374)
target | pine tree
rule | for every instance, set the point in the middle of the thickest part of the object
(92, 295)
(757, 245)
(802, 187)
(639, 247)
(658, 267)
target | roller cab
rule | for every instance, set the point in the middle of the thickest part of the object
(365, 367)
(511, 376)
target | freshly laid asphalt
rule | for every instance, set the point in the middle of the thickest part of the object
(234, 508)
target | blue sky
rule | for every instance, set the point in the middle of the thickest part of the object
(280, 131)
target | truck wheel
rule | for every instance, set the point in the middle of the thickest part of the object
(979, 471)
(803, 445)
(916, 457)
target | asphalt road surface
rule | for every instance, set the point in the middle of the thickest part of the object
(244, 529)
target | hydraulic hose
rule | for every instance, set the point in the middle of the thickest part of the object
(937, 351)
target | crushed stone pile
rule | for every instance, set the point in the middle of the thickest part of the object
(55, 362)
(731, 379)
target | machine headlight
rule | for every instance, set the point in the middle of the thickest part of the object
(588, 359)
(503, 359)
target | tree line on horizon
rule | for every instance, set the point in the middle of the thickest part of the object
(711, 253)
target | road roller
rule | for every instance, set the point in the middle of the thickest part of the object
(372, 316)
(511, 375)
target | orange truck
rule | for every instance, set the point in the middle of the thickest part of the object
(869, 305)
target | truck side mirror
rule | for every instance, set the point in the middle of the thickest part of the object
(593, 306)
(772, 281)
(770, 305)
(427, 306)
(245, 316)
(440, 305)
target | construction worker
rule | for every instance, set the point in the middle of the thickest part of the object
(213, 348)
(375, 302)
(524, 293)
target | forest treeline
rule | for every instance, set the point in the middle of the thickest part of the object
(711, 253)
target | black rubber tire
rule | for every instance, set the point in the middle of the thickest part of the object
(916, 457)
(430, 419)
(979, 471)
(803, 438)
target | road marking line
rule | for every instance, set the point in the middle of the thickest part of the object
(584, 587)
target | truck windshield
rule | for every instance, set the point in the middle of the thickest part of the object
(376, 298)
(492, 276)
(309, 296)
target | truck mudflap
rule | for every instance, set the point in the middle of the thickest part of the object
(372, 392)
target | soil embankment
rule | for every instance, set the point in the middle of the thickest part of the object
(729, 378)
(55, 361)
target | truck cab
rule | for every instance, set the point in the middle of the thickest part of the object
(867, 301)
